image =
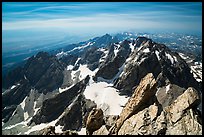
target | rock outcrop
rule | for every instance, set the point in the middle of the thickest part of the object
(94, 121)
(150, 113)
(140, 99)
(60, 102)
(51, 131)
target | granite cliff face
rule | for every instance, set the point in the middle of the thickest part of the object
(103, 87)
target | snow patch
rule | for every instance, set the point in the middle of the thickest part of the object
(146, 50)
(132, 47)
(81, 47)
(82, 131)
(116, 49)
(157, 54)
(58, 129)
(84, 71)
(175, 58)
(13, 86)
(102, 59)
(70, 67)
(102, 94)
(61, 54)
(64, 89)
(23, 103)
(170, 58)
(167, 88)
(183, 56)
(77, 61)
(35, 109)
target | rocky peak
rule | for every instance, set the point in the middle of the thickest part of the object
(154, 58)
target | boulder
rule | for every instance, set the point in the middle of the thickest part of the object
(94, 121)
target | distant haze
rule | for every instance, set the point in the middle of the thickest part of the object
(35, 21)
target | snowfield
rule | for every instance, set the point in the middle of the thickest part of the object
(106, 97)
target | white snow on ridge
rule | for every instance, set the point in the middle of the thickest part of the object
(146, 50)
(64, 89)
(157, 54)
(175, 58)
(35, 109)
(23, 103)
(116, 49)
(170, 58)
(13, 86)
(132, 47)
(62, 53)
(182, 56)
(104, 57)
(197, 71)
(81, 47)
(70, 67)
(84, 71)
(106, 97)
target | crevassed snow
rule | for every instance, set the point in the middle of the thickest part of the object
(146, 50)
(106, 97)
(157, 54)
(170, 58)
(13, 86)
(70, 67)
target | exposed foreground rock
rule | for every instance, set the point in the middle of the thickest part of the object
(51, 131)
(94, 120)
(149, 112)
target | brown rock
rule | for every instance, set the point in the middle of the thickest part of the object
(94, 120)
(143, 123)
(140, 99)
(187, 125)
(189, 98)
(101, 131)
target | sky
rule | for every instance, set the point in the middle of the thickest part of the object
(101, 17)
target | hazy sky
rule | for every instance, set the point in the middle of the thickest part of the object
(102, 17)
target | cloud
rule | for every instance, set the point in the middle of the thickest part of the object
(101, 17)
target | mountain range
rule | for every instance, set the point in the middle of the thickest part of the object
(106, 85)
